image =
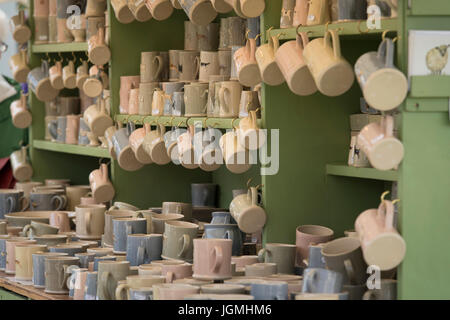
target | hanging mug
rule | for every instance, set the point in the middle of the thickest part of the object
(21, 168)
(39, 83)
(332, 73)
(18, 65)
(122, 11)
(124, 153)
(137, 144)
(139, 10)
(69, 76)
(98, 52)
(20, 31)
(246, 66)
(265, 56)
(160, 9)
(56, 75)
(21, 117)
(101, 186)
(200, 12)
(97, 119)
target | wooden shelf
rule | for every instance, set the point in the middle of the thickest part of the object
(350, 28)
(219, 123)
(27, 290)
(340, 169)
(72, 149)
(60, 47)
(430, 86)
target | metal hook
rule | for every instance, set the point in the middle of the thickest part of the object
(384, 195)
(171, 121)
(395, 201)
(232, 123)
(179, 124)
(204, 122)
(247, 107)
(326, 26)
(257, 36)
(247, 33)
(74, 57)
(248, 182)
(296, 30)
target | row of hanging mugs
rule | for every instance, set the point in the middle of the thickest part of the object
(200, 12)
(205, 149)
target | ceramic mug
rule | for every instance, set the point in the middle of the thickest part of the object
(57, 129)
(154, 146)
(133, 104)
(159, 220)
(208, 37)
(101, 186)
(109, 273)
(97, 119)
(344, 255)
(24, 262)
(385, 152)
(269, 290)
(20, 31)
(72, 129)
(122, 227)
(246, 65)
(139, 10)
(160, 9)
(126, 84)
(229, 99)
(12, 201)
(10, 252)
(318, 12)
(41, 30)
(109, 216)
(18, 65)
(249, 135)
(57, 271)
(133, 282)
(68, 75)
(260, 269)
(287, 14)
(90, 291)
(237, 158)
(317, 280)
(122, 11)
(172, 291)
(190, 36)
(209, 65)
(382, 245)
(225, 63)
(85, 258)
(56, 75)
(143, 248)
(175, 271)
(137, 144)
(251, 8)
(289, 58)
(124, 154)
(70, 248)
(38, 258)
(60, 220)
(265, 57)
(357, 157)
(384, 86)
(173, 64)
(347, 10)
(281, 254)
(189, 65)
(98, 52)
(300, 13)
(47, 200)
(178, 237)
(96, 83)
(249, 102)
(186, 153)
(212, 259)
(90, 221)
(387, 291)
(200, 12)
(332, 73)
(39, 82)
(146, 97)
(151, 66)
(179, 208)
(20, 116)
(307, 235)
(245, 210)
(203, 194)
(196, 99)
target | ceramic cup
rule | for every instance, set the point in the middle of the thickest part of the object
(226, 231)
(260, 269)
(143, 248)
(60, 220)
(382, 245)
(229, 99)
(12, 201)
(90, 291)
(385, 152)
(247, 69)
(200, 12)
(38, 277)
(245, 210)
(269, 290)
(57, 272)
(307, 235)
(160, 9)
(23, 260)
(189, 65)
(21, 168)
(159, 220)
(151, 66)
(109, 273)
(74, 195)
(344, 255)
(265, 57)
(316, 280)
(281, 254)
(212, 259)
(101, 186)
(90, 221)
(122, 227)
(177, 240)
(109, 216)
(47, 200)
(139, 281)
(122, 11)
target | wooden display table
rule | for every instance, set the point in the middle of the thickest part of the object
(27, 290)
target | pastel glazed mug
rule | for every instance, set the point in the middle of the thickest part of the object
(212, 259)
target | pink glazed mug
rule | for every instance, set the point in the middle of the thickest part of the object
(246, 64)
(382, 245)
(101, 186)
(212, 259)
(310, 234)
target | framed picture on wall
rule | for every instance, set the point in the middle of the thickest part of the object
(429, 52)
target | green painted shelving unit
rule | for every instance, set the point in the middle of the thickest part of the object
(59, 47)
(71, 149)
(312, 184)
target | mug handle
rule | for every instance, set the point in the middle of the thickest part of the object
(25, 203)
(335, 39)
(11, 204)
(197, 66)
(103, 285)
(261, 255)
(349, 270)
(121, 287)
(218, 253)
(71, 281)
(27, 228)
(87, 222)
(160, 65)
(222, 99)
(60, 202)
(386, 210)
(386, 51)
(140, 255)
(186, 245)
(310, 283)
(169, 277)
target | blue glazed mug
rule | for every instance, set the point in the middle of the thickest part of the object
(226, 231)
(122, 227)
(316, 280)
(269, 290)
(90, 290)
(143, 248)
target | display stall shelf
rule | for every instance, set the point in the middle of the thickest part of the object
(24, 290)
(430, 86)
(59, 47)
(340, 169)
(428, 105)
(72, 149)
(219, 123)
(350, 28)
(429, 7)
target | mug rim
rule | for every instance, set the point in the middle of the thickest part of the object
(353, 245)
(321, 230)
(183, 224)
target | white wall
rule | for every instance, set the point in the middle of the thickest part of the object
(10, 9)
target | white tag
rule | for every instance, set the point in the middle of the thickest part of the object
(44, 37)
(311, 17)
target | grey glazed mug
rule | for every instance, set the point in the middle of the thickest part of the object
(83, 139)
(11, 201)
(56, 274)
(122, 227)
(387, 291)
(57, 129)
(315, 259)
(204, 194)
(178, 108)
(226, 231)
(143, 248)
(269, 290)
(280, 253)
(47, 201)
(222, 217)
(345, 10)
(317, 280)
(39, 267)
(141, 293)
(3, 239)
(85, 258)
